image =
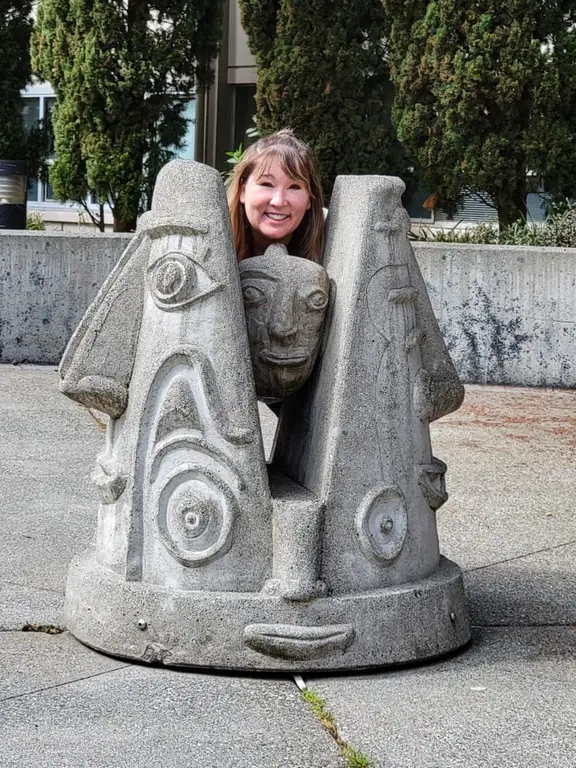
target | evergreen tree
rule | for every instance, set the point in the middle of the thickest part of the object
(322, 71)
(123, 73)
(485, 96)
(15, 29)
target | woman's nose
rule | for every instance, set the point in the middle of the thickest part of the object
(279, 197)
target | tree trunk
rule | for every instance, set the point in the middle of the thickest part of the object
(124, 225)
(514, 208)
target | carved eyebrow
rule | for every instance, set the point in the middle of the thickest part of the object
(255, 273)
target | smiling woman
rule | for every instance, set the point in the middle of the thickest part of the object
(275, 197)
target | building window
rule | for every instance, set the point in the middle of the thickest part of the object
(187, 151)
(35, 109)
(37, 105)
(244, 111)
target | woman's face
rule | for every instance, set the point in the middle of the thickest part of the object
(275, 204)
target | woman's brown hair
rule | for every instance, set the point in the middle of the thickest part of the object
(297, 162)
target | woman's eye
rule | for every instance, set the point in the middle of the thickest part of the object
(253, 296)
(265, 184)
(317, 300)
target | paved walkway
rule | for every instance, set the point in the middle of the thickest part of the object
(508, 700)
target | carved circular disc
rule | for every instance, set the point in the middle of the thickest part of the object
(196, 512)
(382, 523)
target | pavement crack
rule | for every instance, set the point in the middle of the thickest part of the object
(353, 758)
(62, 685)
(519, 557)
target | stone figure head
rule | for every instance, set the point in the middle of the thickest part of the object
(275, 196)
(285, 301)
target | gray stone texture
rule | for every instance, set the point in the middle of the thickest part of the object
(47, 281)
(36, 661)
(73, 708)
(183, 475)
(507, 700)
(47, 506)
(357, 436)
(202, 557)
(507, 313)
(285, 300)
(493, 534)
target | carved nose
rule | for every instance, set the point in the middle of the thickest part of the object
(283, 322)
(283, 327)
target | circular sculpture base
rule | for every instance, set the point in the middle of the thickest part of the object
(255, 631)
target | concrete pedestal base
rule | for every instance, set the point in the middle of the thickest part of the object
(256, 631)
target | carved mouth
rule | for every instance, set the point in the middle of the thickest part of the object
(286, 361)
(291, 641)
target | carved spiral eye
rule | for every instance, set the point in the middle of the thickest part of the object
(196, 510)
(317, 300)
(175, 280)
(253, 296)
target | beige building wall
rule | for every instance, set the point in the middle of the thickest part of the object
(225, 110)
(241, 65)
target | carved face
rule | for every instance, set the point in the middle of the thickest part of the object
(285, 300)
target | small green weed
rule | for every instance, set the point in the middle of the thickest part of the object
(34, 221)
(354, 758)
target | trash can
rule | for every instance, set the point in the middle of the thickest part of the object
(13, 189)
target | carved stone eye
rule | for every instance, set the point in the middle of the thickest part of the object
(317, 300)
(196, 510)
(381, 523)
(171, 277)
(176, 279)
(253, 296)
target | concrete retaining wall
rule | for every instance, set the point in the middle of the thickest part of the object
(47, 279)
(508, 313)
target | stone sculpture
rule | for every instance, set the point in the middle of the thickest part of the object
(285, 299)
(204, 556)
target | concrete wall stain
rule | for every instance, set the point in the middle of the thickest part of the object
(481, 340)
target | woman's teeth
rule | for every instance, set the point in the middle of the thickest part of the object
(277, 216)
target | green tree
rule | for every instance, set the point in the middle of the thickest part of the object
(485, 96)
(15, 29)
(123, 73)
(322, 71)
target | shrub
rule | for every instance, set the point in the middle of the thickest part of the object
(35, 221)
(558, 231)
